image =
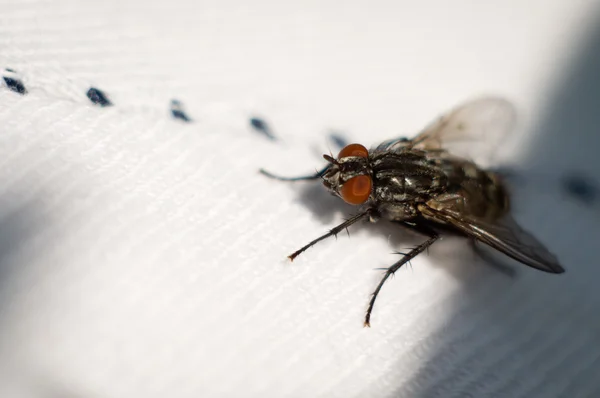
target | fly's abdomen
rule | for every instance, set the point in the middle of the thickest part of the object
(483, 192)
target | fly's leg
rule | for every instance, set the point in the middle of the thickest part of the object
(316, 176)
(334, 231)
(425, 230)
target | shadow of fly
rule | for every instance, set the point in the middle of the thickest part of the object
(422, 183)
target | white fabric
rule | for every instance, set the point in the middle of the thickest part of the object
(144, 257)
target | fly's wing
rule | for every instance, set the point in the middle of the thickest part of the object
(503, 234)
(472, 130)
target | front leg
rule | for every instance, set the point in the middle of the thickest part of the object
(420, 227)
(371, 213)
(315, 176)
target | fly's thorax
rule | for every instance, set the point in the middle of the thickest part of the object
(398, 211)
(406, 176)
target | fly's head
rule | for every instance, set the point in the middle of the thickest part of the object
(350, 175)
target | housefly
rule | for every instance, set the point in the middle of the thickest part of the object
(431, 180)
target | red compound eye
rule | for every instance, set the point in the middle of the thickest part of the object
(356, 190)
(353, 150)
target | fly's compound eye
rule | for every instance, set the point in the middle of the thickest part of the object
(356, 190)
(353, 150)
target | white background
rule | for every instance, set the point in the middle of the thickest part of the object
(144, 257)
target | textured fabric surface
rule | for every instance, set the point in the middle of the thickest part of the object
(142, 256)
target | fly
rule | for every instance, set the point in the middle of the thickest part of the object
(420, 184)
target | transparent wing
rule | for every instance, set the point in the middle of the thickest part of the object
(472, 130)
(504, 235)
